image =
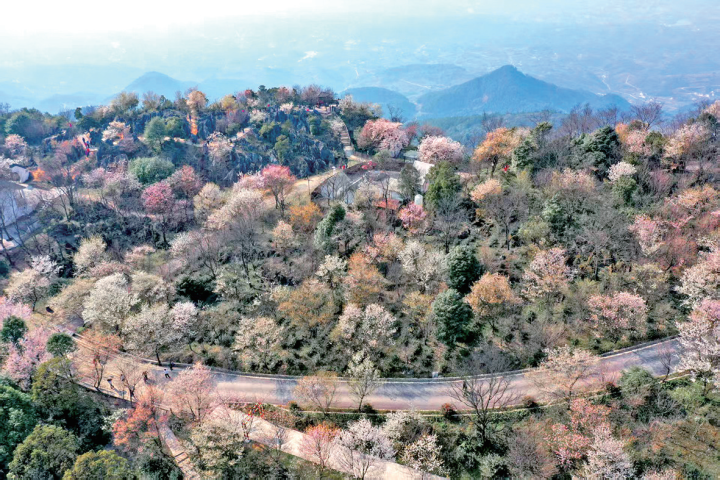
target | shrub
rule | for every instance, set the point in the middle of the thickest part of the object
(294, 407)
(150, 170)
(529, 402)
(4, 269)
(449, 412)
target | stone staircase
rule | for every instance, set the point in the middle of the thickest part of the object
(177, 450)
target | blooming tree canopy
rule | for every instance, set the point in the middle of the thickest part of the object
(685, 140)
(700, 338)
(258, 339)
(109, 303)
(413, 218)
(361, 446)
(15, 145)
(279, 181)
(547, 273)
(621, 169)
(566, 370)
(498, 146)
(193, 393)
(158, 198)
(319, 443)
(383, 134)
(488, 188)
(90, 253)
(423, 265)
(571, 442)
(618, 315)
(24, 357)
(434, 149)
(158, 327)
(424, 454)
(372, 327)
(492, 290)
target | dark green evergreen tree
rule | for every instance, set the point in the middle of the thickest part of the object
(453, 317)
(464, 268)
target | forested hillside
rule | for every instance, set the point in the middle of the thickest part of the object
(285, 231)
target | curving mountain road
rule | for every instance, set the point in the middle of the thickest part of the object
(660, 358)
(430, 394)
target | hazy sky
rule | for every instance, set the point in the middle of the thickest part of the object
(82, 17)
(604, 45)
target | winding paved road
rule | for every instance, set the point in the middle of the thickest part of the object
(430, 394)
(660, 358)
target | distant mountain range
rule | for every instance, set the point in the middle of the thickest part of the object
(386, 98)
(159, 83)
(415, 79)
(507, 90)
(214, 87)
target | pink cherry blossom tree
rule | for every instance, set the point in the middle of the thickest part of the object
(413, 218)
(618, 315)
(648, 232)
(279, 180)
(159, 200)
(318, 444)
(185, 182)
(383, 134)
(571, 442)
(15, 145)
(547, 274)
(635, 143)
(434, 149)
(8, 308)
(24, 358)
(193, 393)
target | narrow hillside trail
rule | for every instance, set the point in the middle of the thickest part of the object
(348, 147)
(178, 452)
(303, 187)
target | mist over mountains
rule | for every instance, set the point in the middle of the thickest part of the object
(507, 90)
(662, 51)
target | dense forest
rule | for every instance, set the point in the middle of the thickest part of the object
(247, 235)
